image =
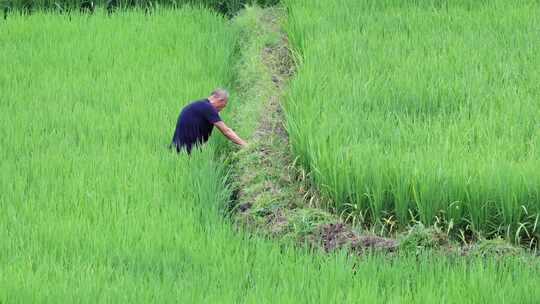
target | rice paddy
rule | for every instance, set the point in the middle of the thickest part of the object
(421, 110)
(95, 208)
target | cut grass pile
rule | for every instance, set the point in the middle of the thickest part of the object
(426, 110)
(95, 209)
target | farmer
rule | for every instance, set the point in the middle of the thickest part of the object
(197, 120)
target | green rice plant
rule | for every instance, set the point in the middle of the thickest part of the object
(422, 107)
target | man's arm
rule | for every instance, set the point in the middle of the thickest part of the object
(229, 133)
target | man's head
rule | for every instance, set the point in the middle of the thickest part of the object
(218, 98)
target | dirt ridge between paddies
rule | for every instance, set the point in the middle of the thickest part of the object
(272, 195)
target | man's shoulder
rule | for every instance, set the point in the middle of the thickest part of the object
(204, 105)
(201, 103)
(196, 105)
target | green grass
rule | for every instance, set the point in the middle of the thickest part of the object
(429, 108)
(95, 209)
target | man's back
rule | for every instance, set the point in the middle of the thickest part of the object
(195, 124)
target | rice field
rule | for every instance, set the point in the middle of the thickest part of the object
(95, 208)
(424, 110)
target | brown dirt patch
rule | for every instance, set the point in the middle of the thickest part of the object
(338, 235)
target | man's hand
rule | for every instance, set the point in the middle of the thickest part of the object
(229, 133)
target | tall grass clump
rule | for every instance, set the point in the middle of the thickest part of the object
(426, 109)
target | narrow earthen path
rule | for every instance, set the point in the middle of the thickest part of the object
(273, 197)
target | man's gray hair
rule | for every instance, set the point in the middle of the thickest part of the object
(220, 93)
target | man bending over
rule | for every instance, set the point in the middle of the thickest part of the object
(197, 120)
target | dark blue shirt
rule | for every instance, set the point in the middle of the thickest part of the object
(195, 124)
